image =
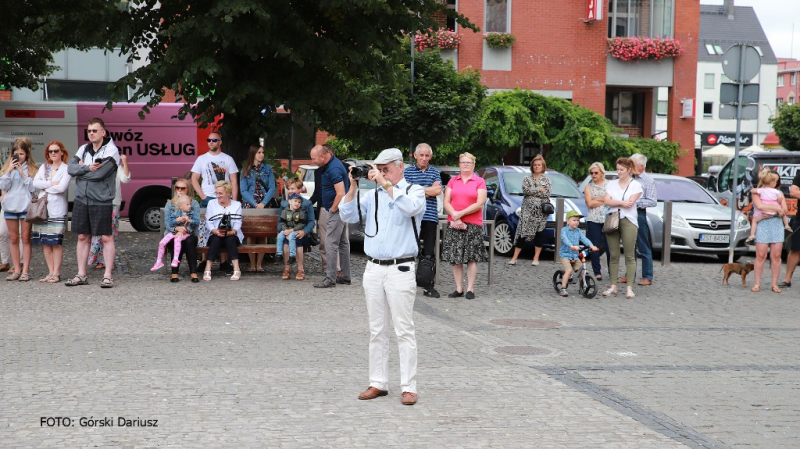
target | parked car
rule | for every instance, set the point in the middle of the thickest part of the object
(504, 201)
(700, 224)
(306, 174)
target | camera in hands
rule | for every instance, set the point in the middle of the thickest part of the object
(359, 171)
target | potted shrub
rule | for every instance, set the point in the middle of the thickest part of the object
(442, 39)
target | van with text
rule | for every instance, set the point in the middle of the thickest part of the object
(785, 163)
(159, 147)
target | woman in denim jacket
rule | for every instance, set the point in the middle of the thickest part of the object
(188, 246)
(258, 188)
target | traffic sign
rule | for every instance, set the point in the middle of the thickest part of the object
(733, 59)
(728, 112)
(729, 93)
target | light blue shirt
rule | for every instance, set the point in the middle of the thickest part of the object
(395, 238)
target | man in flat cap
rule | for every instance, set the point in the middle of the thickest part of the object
(390, 276)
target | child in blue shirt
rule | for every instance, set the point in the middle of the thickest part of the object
(571, 237)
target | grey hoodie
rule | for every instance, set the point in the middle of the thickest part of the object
(18, 190)
(95, 188)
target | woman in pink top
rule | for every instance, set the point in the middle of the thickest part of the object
(463, 241)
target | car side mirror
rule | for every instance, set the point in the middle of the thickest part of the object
(712, 184)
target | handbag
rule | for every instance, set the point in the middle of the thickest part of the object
(37, 210)
(313, 238)
(548, 209)
(426, 265)
(611, 224)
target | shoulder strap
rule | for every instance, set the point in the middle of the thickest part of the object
(414, 224)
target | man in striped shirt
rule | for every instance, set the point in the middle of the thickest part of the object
(423, 174)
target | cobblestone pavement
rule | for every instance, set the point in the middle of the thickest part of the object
(271, 363)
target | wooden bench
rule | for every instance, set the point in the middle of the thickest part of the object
(256, 223)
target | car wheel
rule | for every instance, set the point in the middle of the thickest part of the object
(148, 216)
(503, 241)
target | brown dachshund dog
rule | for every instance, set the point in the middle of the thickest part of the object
(730, 268)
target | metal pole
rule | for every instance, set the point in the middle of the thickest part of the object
(559, 225)
(666, 236)
(411, 138)
(735, 194)
(491, 254)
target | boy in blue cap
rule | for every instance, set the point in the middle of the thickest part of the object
(571, 237)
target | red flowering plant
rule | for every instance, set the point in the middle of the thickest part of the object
(644, 48)
(442, 39)
(495, 39)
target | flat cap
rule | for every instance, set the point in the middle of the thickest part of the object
(389, 155)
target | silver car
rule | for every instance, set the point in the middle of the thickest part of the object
(700, 224)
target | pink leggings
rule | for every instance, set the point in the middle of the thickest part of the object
(178, 238)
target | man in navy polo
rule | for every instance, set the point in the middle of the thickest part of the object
(334, 185)
(423, 174)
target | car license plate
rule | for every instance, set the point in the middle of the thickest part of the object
(714, 238)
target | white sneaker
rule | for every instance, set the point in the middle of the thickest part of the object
(535, 263)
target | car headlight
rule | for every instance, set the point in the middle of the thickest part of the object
(679, 222)
(741, 221)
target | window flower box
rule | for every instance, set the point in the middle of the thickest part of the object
(499, 40)
(644, 48)
(442, 39)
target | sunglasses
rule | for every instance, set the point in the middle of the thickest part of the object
(212, 140)
(594, 172)
(92, 131)
(180, 188)
(53, 151)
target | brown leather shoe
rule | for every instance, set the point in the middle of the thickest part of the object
(623, 280)
(409, 398)
(372, 393)
(287, 273)
(4, 267)
(645, 282)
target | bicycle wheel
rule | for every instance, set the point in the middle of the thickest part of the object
(557, 276)
(588, 287)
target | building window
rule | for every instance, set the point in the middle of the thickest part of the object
(708, 109)
(780, 80)
(625, 108)
(651, 18)
(661, 108)
(61, 90)
(451, 22)
(709, 81)
(793, 79)
(498, 16)
(779, 102)
(714, 49)
(791, 100)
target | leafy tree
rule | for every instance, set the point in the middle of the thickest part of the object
(441, 104)
(35, 29)
(573, 136)
(238, 57)
(787, 126)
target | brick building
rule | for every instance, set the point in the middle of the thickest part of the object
(558, 52)
(788, 81)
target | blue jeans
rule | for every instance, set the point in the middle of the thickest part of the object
(291, 238)
(643, 249)
(204, 203)
(594, 232)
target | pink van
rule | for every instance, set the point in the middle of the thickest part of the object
(158, 147)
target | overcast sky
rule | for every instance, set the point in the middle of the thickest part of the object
(776, 17)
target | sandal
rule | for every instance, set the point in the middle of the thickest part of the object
(77, 280)
(107, 283)
(46, 278)
(756, 288)
(611, 291)
(206, 275)
(13, 276)
(629, 294)
(259, 270)
(251, 270)
(775, 289)
(24, 277)
(54, 279)
(301, 274)
(287, 273)
(194, 278)
(236, 275)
